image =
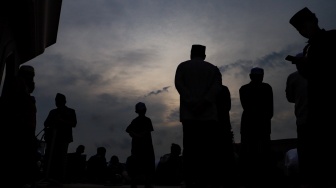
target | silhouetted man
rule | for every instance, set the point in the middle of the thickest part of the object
(18, 117)
(169, 168)
(97, 167)
(60, 122)
(76, 165)
(318, 65)
(225, 158)
(256, 98)
(198, 83)
(296, 92)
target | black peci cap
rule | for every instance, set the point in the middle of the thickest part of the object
(301, 16)
(198, 49)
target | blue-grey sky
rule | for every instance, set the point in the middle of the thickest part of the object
(111, 54)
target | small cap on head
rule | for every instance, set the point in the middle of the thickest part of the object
(198, 49)
(301, 16)
(257, 70)
(140, 107)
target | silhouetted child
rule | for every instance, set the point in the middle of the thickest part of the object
(142, 148)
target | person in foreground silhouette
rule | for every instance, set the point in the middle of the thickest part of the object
(256, 98)
(296, 92)
(18, 117)
(198, 83)
(97, 167)
(318, 65)
(76, 165)
(169, 169)
(225, 159)
(59, 124)
(116, 171)
(142, 153)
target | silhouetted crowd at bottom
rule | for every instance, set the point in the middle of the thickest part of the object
(169, 170)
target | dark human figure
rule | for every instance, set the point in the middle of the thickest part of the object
(96, 167)
(256, 98)
(169, 170)
(76, 165)
(18, 117)
(225, 159)
(142, 152)
(317, 65)
(198, 83)
(116, 171)
(296, 92)
(58, 135)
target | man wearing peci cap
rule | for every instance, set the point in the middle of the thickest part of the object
(198, 83)
(318, 65)
(59, 122)
(256, 98)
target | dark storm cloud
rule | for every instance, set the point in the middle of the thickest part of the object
(156, 92)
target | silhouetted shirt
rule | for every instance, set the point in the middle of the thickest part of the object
(257, 102)
(62, 119)
(198, 81)
(142, 143)
(296, 92)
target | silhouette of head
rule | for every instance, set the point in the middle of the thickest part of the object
(257, 75)
(27, 73)
(140, 108)
(114, 159)
(101, 151)
(175, 149)
(60, 100)
(197, 50)
(305, 22)
(80, 149)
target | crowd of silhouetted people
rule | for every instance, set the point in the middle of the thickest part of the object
(208, 157)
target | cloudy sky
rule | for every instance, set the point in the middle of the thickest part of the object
(111, 54)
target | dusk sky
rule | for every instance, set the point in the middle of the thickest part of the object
(111, 54)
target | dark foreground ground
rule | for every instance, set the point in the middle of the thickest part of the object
(101, 186)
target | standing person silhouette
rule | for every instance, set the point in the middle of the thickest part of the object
(18, 116)
(142, 153)
(198, 83)
(59, 122)
(256, 98)
(225, 159)
(296, 92)
(318, 65)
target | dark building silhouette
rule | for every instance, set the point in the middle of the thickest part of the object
(27, 28)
